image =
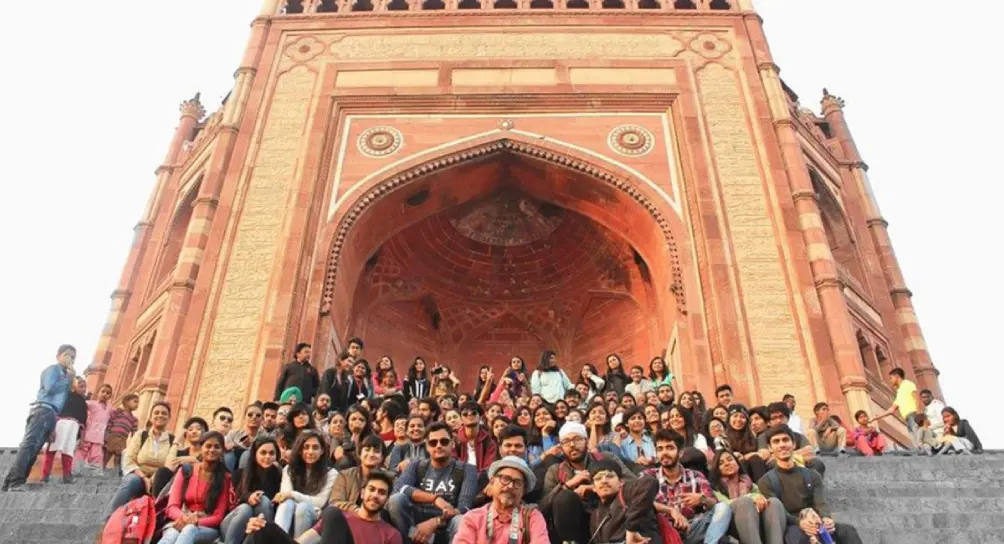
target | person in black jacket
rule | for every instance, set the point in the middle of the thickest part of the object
(257, 484)
(615, 377)
(299, 373)
(416, 383)
(624, 512)
(333, 378)
(959, 434)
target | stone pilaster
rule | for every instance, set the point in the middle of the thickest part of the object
(920, 359)
(191, 111)
(821, 263)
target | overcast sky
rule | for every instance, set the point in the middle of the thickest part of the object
(92, 100)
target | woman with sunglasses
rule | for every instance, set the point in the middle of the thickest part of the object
(306, 484)
(257, 484)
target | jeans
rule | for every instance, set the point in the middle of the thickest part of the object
(748, 524)
(189, 534)
(402, 513)
(132, 487)
(299, 516)
(233, 526)
(230, 460)
(709, 527)
(40, 424)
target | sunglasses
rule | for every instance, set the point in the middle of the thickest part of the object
(254, 415)
(436, 442)
(227, 419)
(466, 413)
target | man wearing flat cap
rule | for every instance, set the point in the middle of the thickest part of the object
(569, 496)
(505, 520)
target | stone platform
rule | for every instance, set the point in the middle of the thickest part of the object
(892, 500)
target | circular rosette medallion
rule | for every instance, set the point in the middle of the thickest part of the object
(380, 141)
(631, 140)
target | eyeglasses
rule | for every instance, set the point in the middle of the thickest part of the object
(573, 440)
(510, 481)
(436, 442)
(227, 419)
(253, 415)
(466, 413)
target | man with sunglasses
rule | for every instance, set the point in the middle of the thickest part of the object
(243, 438)
(474, 444)
(431, 494)
(505, 520)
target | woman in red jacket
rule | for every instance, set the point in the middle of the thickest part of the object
(199, 497)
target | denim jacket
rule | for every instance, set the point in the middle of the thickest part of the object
(53, 387)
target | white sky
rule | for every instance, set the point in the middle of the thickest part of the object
(92, 101)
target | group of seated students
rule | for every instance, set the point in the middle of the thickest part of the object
(357, 455)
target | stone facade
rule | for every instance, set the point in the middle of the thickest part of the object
(472, 180)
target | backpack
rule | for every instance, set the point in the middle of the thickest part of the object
(160, 504)
(457, 474)
(131, 523)
(146, 434)
(563, 474)
(774, 479)
(668, 533)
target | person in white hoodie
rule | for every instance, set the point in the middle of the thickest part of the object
(306, 484)
(549, 381)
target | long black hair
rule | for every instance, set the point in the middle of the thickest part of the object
(308, 480)
(219, 473)
(253, 475)
(536, 438)
(414, 374)
(688, 422)
(618, 371)
(289, 431)
(715, 474)
(545, 361)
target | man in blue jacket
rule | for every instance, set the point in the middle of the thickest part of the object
(53, 389)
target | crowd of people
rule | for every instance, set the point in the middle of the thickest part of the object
(356, 454)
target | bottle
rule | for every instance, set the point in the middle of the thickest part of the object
(824, 536)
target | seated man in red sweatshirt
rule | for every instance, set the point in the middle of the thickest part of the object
(364, 525)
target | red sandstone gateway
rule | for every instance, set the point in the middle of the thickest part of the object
(471, 180)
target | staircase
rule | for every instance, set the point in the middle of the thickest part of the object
(53, 513)
(891, 500)
(911, 500)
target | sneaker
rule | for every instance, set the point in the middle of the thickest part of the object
(17, 488)
(67, 479)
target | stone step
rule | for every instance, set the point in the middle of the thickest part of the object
(855, 505)
(48, 533)
(924, 521)
(66, 497)
(905, 491)
(938, 536)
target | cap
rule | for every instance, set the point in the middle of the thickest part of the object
(516, 463)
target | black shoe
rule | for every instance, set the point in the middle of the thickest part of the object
(67, 479)
(17, 488)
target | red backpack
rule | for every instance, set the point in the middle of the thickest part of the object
(131, 523)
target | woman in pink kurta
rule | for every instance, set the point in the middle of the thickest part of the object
(91, 449)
